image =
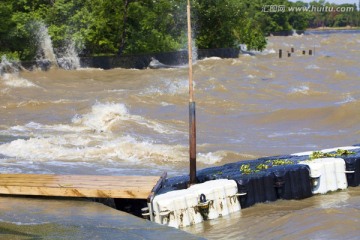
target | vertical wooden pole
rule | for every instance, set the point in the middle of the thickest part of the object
(280, 53)
(191, 87)
(192, 115)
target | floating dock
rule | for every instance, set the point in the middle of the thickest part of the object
(295, 176)
(220, 191)
(129, 187)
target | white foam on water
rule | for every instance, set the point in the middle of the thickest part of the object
(303, 89)
(285, 134)
(88, 148)
(312, 66)
(268, 51)
(117, 90)
(90, 138)
(75, 148)
(247, 55)
(166, 104)
(89, 69)
(347, 99)
(13, 80)
(45, 50)
(169, 87)
(9, 74)
(209, 59)
(338, 72)
(32, 129)
(236, 62)
(294, 34)
(210, 157)
(69, 59)
(39, 103)
(104, 116)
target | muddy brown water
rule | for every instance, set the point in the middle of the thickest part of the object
(129, 122)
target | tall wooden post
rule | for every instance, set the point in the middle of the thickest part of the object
(192, 115)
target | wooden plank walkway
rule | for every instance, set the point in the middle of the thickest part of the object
(132, 187)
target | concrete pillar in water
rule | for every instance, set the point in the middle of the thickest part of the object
(280, 53)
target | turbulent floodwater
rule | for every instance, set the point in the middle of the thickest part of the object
(128, 122)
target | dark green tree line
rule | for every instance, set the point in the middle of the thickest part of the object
(110, 27)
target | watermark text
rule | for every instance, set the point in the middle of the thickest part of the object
(310, 8)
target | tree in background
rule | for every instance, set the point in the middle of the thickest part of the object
(227, 23)
(116, 27)
(154, 26)
(300, 20)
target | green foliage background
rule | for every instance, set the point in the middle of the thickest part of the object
(116, 27)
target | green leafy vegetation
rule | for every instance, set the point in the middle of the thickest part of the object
(261, 167)
(116, 27)
(338, 153)
(279, 162)
(246, 169)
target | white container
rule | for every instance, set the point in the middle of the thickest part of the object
(221, 195)
(176, 209)
(199, 202)
(328, 174)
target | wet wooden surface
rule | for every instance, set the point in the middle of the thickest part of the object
(136, 187)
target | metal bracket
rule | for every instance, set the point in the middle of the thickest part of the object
(203, 202)
(145, 212)
(240, 194)
(317, 176)
(165, 213)
(155, 189)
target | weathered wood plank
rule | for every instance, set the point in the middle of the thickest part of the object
(137, 187)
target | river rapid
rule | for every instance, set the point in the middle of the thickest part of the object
(135, 122)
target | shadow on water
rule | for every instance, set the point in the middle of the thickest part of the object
(8, 231)
(59, 218)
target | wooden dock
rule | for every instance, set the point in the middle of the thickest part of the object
(129, 187)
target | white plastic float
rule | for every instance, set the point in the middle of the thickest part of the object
(199, 202)
(217, 198)
(328, 174)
